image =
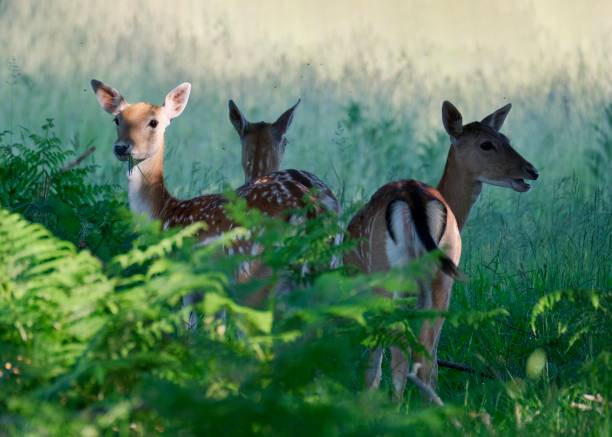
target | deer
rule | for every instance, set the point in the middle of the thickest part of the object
(263, 148)
(405, 219)
(263, 143)
(141, 141)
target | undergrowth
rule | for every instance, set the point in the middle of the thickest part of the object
(93, 338)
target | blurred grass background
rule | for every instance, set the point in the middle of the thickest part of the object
(384, 67)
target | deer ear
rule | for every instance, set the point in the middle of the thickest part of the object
(496, 119)
(176, 100)
(109, 98)
(452, 120)
(237, 119)
(284, 121)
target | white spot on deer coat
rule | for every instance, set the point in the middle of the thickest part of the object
(208, 240)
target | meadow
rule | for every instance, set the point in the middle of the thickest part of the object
(91, 331)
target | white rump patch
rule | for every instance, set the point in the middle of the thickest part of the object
(435, 218)
(407, 244)
(402, 250)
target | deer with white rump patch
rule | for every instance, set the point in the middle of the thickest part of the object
(140, 140)
(407, 218)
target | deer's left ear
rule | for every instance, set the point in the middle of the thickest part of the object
(452, 120)
(284, 121)
(176, 100)
(238, 120)
(496, 119)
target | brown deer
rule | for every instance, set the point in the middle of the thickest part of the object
(407, 218)
(263, 148)
(140, 140)
(263, 144)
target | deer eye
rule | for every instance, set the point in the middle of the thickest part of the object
(487, 145)
(116, 121)
(153, 123)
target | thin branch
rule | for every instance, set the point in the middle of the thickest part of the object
(72, 164)
(424, 388)
(429, 392)
(464, 368)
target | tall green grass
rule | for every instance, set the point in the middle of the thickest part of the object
(368, 120)
(99, 347)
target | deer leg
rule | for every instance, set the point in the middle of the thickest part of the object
(373, 373)
(434, 338)
(424, 303)
(426, 360)
(399, 372)
(429, 335)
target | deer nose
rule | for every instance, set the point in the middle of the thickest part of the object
(532, 171)
(122, 149)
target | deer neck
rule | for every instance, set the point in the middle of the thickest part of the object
(147, 191)
(459, 188)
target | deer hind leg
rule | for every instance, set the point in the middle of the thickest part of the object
(421, 360)
(427, 360)
(430, 337)
(373, 373)
(431, 329)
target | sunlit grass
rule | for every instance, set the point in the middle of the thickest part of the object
(369, 114)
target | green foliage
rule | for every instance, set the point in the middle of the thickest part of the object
(361, 134)
(93, 338)
(99, 352)
(36, 183)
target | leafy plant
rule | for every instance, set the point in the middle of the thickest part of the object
(93, 339)
(93, 351)
(37, 183)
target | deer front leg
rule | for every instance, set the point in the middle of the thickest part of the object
(373, 373)
(399, 372)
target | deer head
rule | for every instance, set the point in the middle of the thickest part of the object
(484, 153)
(263, 144)
(140, 126)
